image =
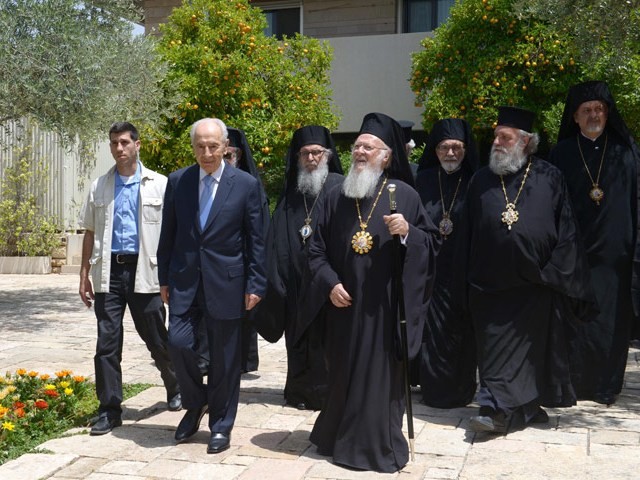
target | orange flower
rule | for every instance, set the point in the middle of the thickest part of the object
(63, 373)
(21, 372)
(41, 404)
(19, 412)
(45, 376)
(3, 411)
(79, 378)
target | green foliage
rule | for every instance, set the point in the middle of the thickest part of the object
(501, 52)
(613, 54)
(75, 66)
(484, 57)
(24, 230)
(36, 407)
(228, 68)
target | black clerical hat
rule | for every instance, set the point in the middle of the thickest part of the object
(516, 117)
(450, 129)
(238, 139)
(587, 92)
(390, 132)
(309, 135)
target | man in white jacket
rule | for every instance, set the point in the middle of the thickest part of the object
(122, 217)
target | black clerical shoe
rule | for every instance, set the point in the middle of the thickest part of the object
(174, 403)
(190, 423)
(105, 424)
(540, 417)
(605, 398)
(219, 442)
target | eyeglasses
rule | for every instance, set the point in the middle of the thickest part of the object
(311, 153)
(445, 148)
(365, 147)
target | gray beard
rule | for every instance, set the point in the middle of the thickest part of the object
(507, 163)
(361, 184)
(310, 183)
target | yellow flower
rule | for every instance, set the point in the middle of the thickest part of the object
(11, 388)
(65, 384)
(8, 426)
(3, 411)
(21, 372)
(68, 391)
(49, 387)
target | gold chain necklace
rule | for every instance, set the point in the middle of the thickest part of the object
(596, 193)
(306, 230)
(362, 242)
(446, 224)
(510, 215)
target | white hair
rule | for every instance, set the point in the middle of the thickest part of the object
(217, 121)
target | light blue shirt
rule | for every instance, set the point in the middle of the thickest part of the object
(125, 237)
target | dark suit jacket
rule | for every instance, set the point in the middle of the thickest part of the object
(228, 254)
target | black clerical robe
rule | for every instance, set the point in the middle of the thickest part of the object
(361, 422)
(306, 368)
(523, 284)
(608, 231)
(447, 359)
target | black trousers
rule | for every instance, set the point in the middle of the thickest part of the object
(149, 315)
(222, 390)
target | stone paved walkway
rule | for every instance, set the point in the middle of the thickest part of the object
(44, 327)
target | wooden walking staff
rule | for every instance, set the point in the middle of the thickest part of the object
(402, 318)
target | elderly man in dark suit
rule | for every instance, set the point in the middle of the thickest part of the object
(211, 270)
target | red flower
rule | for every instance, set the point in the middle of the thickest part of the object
(41, 404)
(18, 405)
(51, 393)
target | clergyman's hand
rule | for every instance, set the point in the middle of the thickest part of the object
(339, 296)
(396, 224)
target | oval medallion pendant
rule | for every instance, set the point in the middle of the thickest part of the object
(445, 226)
(362, 242)
(596, 194)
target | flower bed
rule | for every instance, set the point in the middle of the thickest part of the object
(35, 407)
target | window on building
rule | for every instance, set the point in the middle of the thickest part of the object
(425, 15)
(283, 18)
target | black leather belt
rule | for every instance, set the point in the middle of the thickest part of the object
(122, 258)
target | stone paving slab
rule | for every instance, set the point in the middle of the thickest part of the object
(44, 327)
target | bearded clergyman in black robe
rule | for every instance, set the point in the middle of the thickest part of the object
(351, 265)
(312, 169)
(599, 159)
(526, 275)
(447, 360)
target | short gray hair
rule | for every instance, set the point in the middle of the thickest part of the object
(217, 121)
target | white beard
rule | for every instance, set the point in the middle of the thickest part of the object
(361, 184)
(310, 183)
(507, 162)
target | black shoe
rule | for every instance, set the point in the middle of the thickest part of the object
(540, 417)
(219, 442)
(496, 423)
(190, 423)
(174, 404)
(105, 424)
(605, 398)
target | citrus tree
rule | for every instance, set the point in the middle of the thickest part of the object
(228, 68)
(484, 56)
